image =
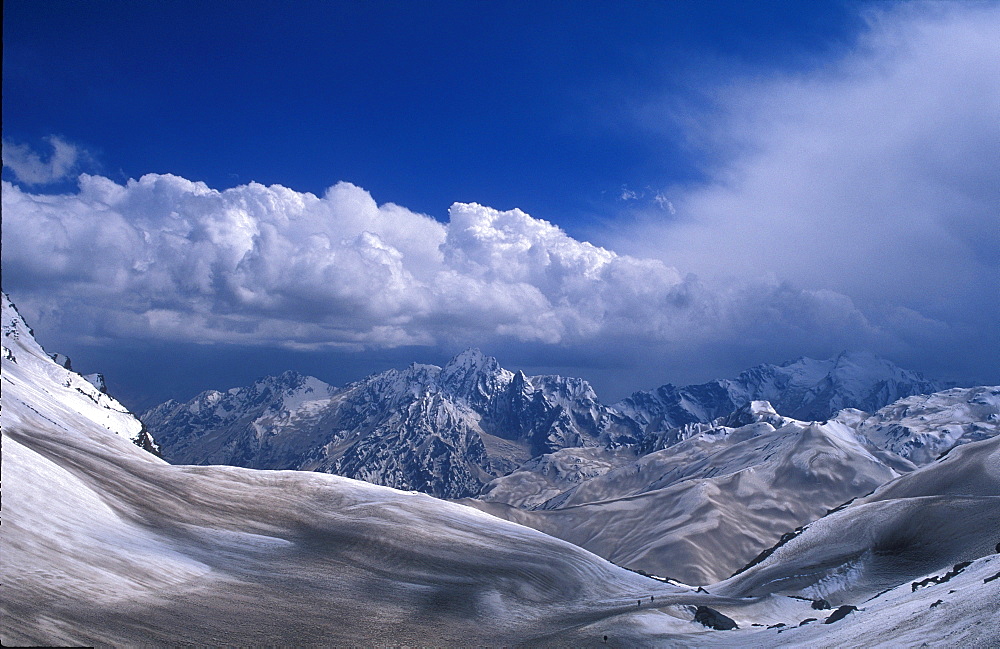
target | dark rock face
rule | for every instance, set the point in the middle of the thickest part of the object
(840, 614)
(62, 360)
(713, 619)
(764, 554)
(145, 441)
(940, 579)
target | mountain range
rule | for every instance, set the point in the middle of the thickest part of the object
(106, 543)
(448, 431)
(689, 483)
(445, 431)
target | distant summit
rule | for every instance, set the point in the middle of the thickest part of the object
(805, 389)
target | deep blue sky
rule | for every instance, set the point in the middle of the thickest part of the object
(509, 104)
(789, 178)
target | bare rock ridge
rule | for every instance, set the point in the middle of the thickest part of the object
(448, 431)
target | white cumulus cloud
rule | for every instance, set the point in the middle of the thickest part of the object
(165, 258)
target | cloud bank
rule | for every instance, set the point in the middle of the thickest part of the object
(874, 176)
(164, 258)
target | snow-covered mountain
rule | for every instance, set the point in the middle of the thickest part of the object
(805, 389)
(922, 427)
(450, 430)
(75, 395)
(445, 431)
(106, 544)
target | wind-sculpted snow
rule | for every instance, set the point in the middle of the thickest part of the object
(102, 547)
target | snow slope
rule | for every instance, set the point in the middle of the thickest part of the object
(921, 551)
(33, 377)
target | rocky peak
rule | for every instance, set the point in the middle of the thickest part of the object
(475, 377)
(62, 360)
(16, 330)
(752, 413)
(470, 362)
(97, 380)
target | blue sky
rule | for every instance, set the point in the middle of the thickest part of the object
(509, 104)
(758, 180)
